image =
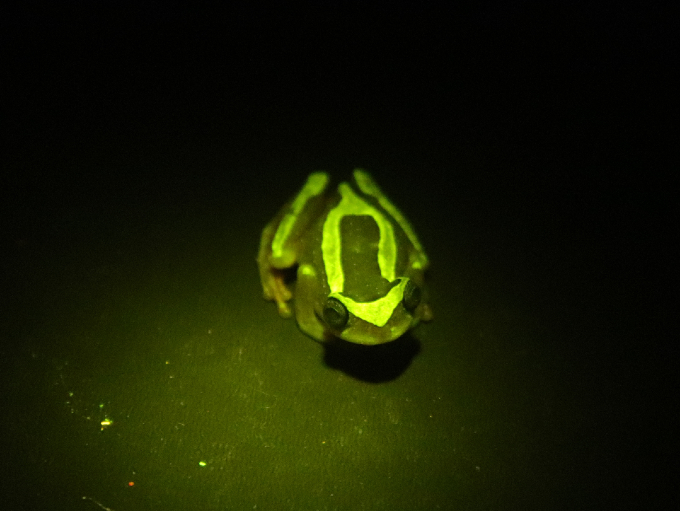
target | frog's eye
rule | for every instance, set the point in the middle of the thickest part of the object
(335, 313)
(412, 296)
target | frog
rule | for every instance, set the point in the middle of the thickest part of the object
(348, 259)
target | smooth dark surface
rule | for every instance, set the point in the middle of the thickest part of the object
(144, 151)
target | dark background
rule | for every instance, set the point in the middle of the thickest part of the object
(280, 89)
(547, 126)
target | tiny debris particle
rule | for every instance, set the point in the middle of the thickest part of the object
(202, 463)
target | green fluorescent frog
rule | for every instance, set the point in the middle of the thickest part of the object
(360, 266)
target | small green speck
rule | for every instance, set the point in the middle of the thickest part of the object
(202, 463)
(101, 405)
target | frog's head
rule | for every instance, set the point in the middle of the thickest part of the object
(378, 321)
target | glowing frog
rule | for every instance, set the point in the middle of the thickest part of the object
(360, 266)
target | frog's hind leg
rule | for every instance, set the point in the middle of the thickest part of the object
(272, 278)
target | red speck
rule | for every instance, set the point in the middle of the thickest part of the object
(131, 483)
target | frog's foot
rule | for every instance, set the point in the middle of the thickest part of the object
(275, 289)
(284, 309)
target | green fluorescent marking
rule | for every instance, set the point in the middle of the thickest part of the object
(351, 204)
(307, 270)
(370, 187)
(316, 184)
(379, 311)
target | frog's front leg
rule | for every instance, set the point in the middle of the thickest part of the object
(273, 279)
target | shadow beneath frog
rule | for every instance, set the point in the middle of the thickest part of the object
(373, 364)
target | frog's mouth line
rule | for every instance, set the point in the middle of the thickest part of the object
(378, 331)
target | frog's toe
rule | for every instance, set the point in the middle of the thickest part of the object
(274, 288)
(267, 293)
(280, 293)
(284, 310)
